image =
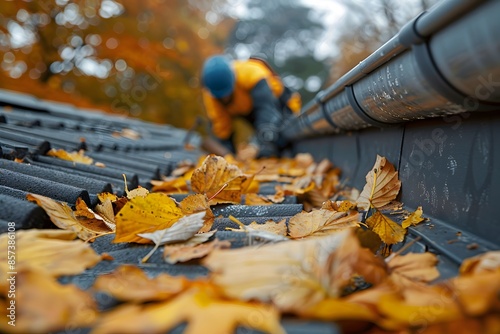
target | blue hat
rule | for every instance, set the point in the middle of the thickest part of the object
(218, 76)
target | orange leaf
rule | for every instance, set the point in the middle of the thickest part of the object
(185, 252)
(197, 203)
(406, 270)
(486, 262)
(147, 214)
(71, 156)
(413, 219)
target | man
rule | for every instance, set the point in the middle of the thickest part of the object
(252, 90)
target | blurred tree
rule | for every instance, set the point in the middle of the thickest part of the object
(138, 58)
(285, 33)
(367, 25)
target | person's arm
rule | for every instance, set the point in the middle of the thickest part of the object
(267, 119)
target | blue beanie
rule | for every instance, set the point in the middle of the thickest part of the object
(218, 76)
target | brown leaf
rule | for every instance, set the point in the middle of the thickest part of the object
(147, 214)
(382, 185)
(185, 252)
(486, 262)
(63, 217)
(389, 231)
(43, 305)
(321, 222)
(406, 270)
(129, 283)
(200, 307)
(197, 203)
(215, 174)
(293, 275)
(93, 221)
(52, 251)
(256, 199)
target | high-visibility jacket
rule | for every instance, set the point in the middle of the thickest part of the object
(249, 77)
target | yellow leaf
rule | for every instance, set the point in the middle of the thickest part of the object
(200, 307)
(382, 185)
(43, 305)
(321, 222)
(334, 309)
(388, 230)
(63, 217)
(147, 214)
(129, 283)
(71, 156)
(218, 179)
(414, 218)
(173, 185)
(52, 251)
(256, 199)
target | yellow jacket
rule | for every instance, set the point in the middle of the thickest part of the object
(248, 73)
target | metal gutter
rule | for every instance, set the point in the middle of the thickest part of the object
(432, 67)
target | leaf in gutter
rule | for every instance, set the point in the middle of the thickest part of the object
(486, 262)
(389, 231)
(63, 217)
(413, 268)
(184, 229)
(321, 222)
(147, 214)
(96, 222)
(382, 185)
(197, 203)
(187, 251)
(414, 218)
(71, 156)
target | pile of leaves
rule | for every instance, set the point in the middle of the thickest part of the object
(331, 262)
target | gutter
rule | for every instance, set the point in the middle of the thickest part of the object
(444, 61)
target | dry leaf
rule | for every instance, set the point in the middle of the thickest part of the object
(172, 185)
(414, 218)
(197, 203)
(106, 211)
(270, 231)
(147, 214)
(382, 185)
(215, 174)
(129, 283)
(91, 220)
(321, 222)
(186, 251)
(182, 230)
(43, 305)
(486, 262)
(271, 226)
(389, 231)
(53, 251)
(63, 217)
(406, 270)
(200, 307)
(71, 156)
(256, 199)
(292, 275)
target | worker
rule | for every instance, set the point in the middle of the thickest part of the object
(248, 89)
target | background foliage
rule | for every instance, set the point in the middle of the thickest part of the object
(143, 58)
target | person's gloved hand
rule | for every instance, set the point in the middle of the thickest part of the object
(247, 152)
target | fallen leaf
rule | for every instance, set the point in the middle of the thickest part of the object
(182, 230)
(406, 270)
(220, 181)
(389, 231)
(413, 219)
(292, 275)
(321, 222)
(63, 217)
(200, 307)
(486, 262)
(256, 199)
(53, 251)
(382, 185)
(130, 284)
(43, 305)
(185, 252)
(269, 231)
(172, 185)
(106, 211)
(93, 221)
(271, 226)
(197, 203)
(147, 214)
(79, 156)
